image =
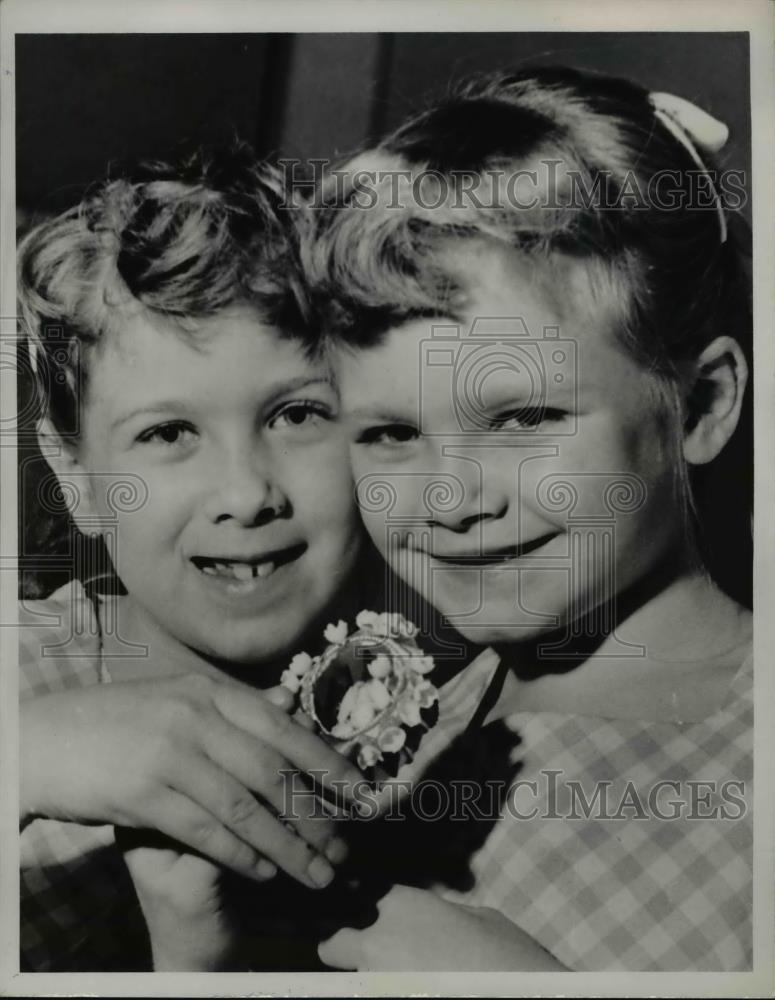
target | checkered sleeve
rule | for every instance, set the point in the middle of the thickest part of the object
(59, 643)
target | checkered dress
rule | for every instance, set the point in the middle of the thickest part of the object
(622, 888)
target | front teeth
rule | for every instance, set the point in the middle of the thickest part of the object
(239, 571)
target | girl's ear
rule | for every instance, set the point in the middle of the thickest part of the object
(714, 400)
(74, 481)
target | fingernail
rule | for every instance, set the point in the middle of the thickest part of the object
(266, 869)
(320, 871)
(336, 850)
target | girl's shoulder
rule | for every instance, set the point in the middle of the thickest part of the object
(60, 643)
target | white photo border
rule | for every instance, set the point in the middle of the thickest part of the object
(227, 16)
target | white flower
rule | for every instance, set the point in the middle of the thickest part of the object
(368, 755)
(366, 619)
(380, 697)
(409, 712)
(289, 680)
(363, 715)
(392, 739)
(386, 624)
(343, 731)
(421, 664)
(426, 694)
(336, 634)
(395, 682)
(300, 664)
(380, 666)
(347, 704)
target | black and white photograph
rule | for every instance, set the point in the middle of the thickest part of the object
(386, 568)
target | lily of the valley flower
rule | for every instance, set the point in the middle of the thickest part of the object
(290, 680)
(366, 619)
(422, 664)
(392, 739)
(379, 694)
(368, 756)
(380, 666)
(376, 712)
(426, 694)
(409, 712)
(363, 714)
(343, 731)
(300, 664)
(336, 634)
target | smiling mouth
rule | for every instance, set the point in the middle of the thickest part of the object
(242, 573)
(495, 557)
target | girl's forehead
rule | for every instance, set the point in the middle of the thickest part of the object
(553, 286)
(512, 307)
(136, 330)
(231, 352)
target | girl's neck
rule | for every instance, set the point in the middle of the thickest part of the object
(690, 621)
(136, 647)
(671, 656)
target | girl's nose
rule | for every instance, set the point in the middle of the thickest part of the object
(247, 493)
(475, 500)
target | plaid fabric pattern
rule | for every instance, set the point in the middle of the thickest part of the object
(637, 892)
(78, 908)
(59, 643)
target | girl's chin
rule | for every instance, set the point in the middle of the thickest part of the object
(502, 635)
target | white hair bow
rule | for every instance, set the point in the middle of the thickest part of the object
(693, 127)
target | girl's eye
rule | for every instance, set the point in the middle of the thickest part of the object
(389, 434)
(171, 433)
(298, 415)
(530, 416)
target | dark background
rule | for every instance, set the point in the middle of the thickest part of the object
(84, 101)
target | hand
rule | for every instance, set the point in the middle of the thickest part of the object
(187, 757)
(419, 931)
(181, 896)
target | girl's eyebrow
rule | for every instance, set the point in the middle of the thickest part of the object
(294, 384)
(181, 407)
(158, 407)
(383, 416)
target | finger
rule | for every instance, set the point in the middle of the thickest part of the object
(342, 951)
(281, 697)
(187, 822)
(148, 863)
(304, 749)
(232, 806)
(259, 768)
(304, 720)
